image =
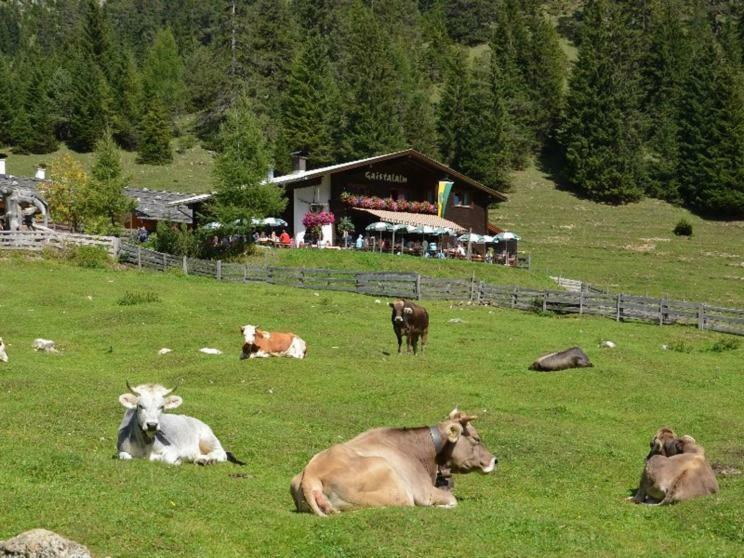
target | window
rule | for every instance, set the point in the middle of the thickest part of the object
(461, 198)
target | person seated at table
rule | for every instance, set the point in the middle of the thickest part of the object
(262, 237)
(489, 255)
(273, 237)
(284, 238)
(440, 255)
(256, 236)
(460, 250)
(432, 248)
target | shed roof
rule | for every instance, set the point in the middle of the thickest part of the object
(155, 205)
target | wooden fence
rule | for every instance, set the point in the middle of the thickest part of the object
(619, 307)
(36, 241)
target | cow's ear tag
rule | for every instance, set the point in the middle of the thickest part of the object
(128, 400)
(453, 432)
(408, 310)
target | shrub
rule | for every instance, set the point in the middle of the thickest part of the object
(92, 257)
(179, 241)
(725, 344)
(184, 143)
(132, 298)
(680, 346)
(683, 228)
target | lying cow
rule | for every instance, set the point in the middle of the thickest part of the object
(570, 358)
(411, 320)
(391, 467)
(676, 473)
(258, 343)
(3, 354)
(148, 433)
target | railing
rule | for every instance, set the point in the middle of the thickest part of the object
(36, 241)
(619, 307)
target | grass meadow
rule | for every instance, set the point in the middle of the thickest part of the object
(570, 445)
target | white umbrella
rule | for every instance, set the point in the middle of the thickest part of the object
(471, 237)
(506, 235)
(274, 222)
(380, 227)
(488, 239)
(213, 225)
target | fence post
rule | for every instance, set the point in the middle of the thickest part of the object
(302, 277)
(529, 262)
(139, 257)
(245, 273)
(165, 261)
(515, 294)
(480, 292)
(545, 301)
(116, 245)
(619, 302)
(472, 287)
(418, 286)
(661, 311)
(701, 316)
(581, 300)
(219, 270)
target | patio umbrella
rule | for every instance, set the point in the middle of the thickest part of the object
(506, 235)
(214, 225)
(274, 222)
(380, 227)
(396, 227)
(404, 229)
(471, 237)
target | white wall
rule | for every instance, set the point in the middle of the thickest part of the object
(302, 199)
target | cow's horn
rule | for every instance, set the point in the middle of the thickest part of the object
(131, 389)
(174, 388)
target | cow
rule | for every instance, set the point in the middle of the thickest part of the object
(570, 358)
(411, 320)
(684, 475)
(148, 433)
(3, 354)
(258, 343)
(391, 467)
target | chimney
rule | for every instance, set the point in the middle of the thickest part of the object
(299, 161)
(40, 172)
(2, 164)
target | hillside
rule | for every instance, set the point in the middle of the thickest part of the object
(570, 445)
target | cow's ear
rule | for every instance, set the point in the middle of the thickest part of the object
(391, 304)
(454, 431)
(408, 310)
(242, 329)
(172, 401)
(128, 400)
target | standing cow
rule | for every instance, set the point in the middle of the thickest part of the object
(411, 320)
(391, 467)
(148, 433)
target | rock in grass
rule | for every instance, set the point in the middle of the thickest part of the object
(607, 345)
(210, 351)
(40, 543)
(46, 345)
(165, 351)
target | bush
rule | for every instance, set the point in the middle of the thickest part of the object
(680, 346)
(725, 344)
(92, 257)
(132, 298)
(184, 143)
(683, 228)
(179, 241)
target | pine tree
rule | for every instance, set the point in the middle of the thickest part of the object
(128, 92)
(240, 170)
(88, 103)
(95, 36)
(452, 111)
(106, 203)
(6, 104)
(370, 86)
(601, 135)
(39, 137)
(311, 105)
(155, 135)
(162, 73)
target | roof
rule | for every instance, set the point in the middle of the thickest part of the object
(408, 153)
(19, 182)
(493, 229)
(154, 205)
(191, 200)
(415, 219)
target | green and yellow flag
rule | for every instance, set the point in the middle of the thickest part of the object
(443, 192)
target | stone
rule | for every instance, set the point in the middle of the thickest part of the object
(46, 345)
(40, 543)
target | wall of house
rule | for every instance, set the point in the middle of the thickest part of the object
(302, 198)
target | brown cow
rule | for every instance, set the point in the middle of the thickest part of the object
(258, 343)
(391, 467)
(411, 320)
(682, 476)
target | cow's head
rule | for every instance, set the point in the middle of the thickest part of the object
(664, 443)
(149, 402)
(250, 332)
(687, 444)
(467, 451)
(400, 310)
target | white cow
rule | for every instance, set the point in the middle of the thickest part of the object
(3, 354)
(148, 433)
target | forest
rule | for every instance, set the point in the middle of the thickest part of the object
(652, 105)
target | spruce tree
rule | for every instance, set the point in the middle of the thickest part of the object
(311, 105)
(39, 108)
(452, 111)
(6, 104)
(240, 170)
(155, 134)
(601, 136)
(106, 203)
(88, 103)
(127, 87)
(162, 73)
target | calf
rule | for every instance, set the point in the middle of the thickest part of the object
(258, 343)
(684, 475)
(411, 320)
(148, 433)
(570, 358)
(391, 467)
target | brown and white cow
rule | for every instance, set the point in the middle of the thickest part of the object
(258, 343)
(676, 472)
(411, 320)
(391, 467)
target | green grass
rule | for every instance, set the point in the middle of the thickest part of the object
(189, 172)
(628, 248)
(570, 445)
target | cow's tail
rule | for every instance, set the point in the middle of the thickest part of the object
(311, 489)
(232, 459)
